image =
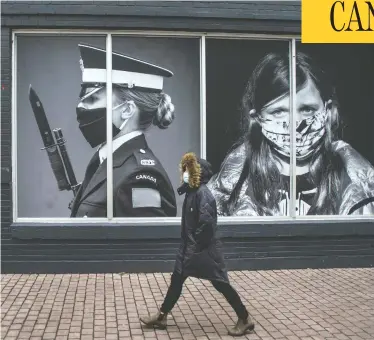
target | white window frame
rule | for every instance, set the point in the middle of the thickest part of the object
(170, 221)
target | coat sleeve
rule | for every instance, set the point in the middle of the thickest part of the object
(140, 195)
(207, 218)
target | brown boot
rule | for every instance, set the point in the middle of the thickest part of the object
(158, 320)
(242, 327)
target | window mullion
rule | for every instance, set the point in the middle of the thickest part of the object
(293, 128)
(202, 97)
(109, 127)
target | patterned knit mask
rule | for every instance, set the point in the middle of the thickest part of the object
(309, 132)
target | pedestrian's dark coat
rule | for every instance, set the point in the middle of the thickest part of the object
(200, 252)
(141, 187)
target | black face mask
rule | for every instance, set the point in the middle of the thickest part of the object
(92, 123)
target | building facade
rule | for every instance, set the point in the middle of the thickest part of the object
(286, 126)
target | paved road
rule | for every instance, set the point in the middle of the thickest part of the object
(286, 304)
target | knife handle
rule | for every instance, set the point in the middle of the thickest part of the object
(58, 168)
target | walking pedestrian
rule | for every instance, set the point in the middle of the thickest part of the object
(199, 253)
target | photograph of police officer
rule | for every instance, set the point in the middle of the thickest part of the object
(155, 115)
(332, 178)
(141, 186)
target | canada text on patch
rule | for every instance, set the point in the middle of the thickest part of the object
(148, 177)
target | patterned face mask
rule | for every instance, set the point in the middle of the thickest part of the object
(309, 132)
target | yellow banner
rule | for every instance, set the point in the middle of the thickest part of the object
(344, 21)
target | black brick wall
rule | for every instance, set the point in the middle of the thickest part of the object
(6, 136)
(251, 16)
(36, 248)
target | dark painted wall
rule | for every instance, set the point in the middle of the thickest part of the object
(251, 16)
(37, 248)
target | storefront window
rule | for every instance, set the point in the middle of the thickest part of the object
(228, 100)
(335, 157)
(155, 119)
(50, 73)
(248, 138)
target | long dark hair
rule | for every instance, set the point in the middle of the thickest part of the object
(270, 80)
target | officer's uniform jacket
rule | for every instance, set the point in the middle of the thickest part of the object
(141, 187)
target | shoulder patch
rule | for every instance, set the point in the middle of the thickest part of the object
(146, 198)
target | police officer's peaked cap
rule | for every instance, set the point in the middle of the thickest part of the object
(126, 71)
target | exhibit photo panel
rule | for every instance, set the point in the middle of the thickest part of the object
(156, 119)
(60, 124)
(248, 126)
(334, 122)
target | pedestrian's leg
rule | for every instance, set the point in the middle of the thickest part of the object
(244, 323)
(174, 291)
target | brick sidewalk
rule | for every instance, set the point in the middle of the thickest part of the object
(286, 304)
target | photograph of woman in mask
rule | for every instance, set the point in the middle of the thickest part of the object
(331, 177)
(141, 187)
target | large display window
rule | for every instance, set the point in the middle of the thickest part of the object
(286, 126)
(51, 96)
(321, 91)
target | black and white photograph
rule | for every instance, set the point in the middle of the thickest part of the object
(334, 121)
(251, 108)
(240, 136)
(61, 124)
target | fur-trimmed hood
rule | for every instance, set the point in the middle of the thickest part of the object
(199, 170)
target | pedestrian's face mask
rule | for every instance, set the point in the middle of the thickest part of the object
(186, 177)
(92, 123)
(309, 133)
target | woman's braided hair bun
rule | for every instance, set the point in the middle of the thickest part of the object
(165, 112)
